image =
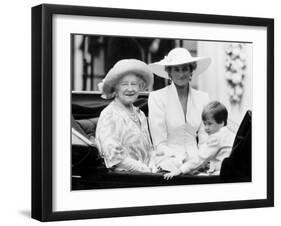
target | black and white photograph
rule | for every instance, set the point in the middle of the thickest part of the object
(159, 112)
(139, 112)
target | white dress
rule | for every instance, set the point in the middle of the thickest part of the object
(217, 147)
(173, 132)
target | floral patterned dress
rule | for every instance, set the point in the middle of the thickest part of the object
(123, 141)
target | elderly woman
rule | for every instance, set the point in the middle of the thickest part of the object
(175, 111)
(122, 131)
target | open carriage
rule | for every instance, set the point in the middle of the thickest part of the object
(89, 171)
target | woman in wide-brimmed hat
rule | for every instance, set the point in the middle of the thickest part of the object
(175, 111)
(122, 131)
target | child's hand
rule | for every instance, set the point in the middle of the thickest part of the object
(153, 168)
(173, 173)
(145, 169)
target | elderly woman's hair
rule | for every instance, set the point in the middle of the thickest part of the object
(142, 83)
(216, 111)
(192, 67)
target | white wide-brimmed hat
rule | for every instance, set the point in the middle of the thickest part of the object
(179, 56)
(122, 68)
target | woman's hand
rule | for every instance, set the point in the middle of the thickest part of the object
(168, 176)
(153, 168)
(144, 168)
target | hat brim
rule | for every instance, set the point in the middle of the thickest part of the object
(125, 67)
(158, 68)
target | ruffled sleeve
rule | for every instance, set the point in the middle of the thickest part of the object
(108, 136)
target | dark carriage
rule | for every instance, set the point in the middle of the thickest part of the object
(89, 171)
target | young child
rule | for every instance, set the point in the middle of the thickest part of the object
(217, 147)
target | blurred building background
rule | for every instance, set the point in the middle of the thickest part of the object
(228, 79)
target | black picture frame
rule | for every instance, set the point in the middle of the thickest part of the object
(42, 106)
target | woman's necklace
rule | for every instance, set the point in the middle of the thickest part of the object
(133, 115)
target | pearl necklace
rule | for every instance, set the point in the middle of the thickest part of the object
(131, 113)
